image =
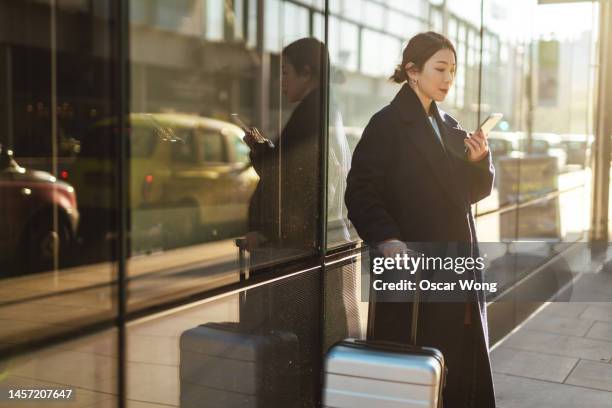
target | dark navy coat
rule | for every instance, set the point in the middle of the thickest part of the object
(404, 184)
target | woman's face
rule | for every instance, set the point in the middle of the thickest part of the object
(437, 76)
(295, 86)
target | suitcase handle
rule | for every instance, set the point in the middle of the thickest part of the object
(414, 320)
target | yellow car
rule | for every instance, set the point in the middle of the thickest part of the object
(190, 180)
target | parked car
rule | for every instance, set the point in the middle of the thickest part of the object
(548, 144)
(578, 148)
(190, 179)
(32, 236)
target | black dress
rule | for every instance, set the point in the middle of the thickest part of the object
(404, 184)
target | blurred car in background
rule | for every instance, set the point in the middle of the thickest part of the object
(547, 144)
(39, 217)
(578, 148)
(190, 180)
(515, 144)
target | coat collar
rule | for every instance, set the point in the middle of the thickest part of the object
(412, 114)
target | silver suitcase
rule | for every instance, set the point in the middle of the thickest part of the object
(368, 374)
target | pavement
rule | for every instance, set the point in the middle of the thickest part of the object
(562, 355)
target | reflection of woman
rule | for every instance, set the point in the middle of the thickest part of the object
(284, 209)
(414, 174)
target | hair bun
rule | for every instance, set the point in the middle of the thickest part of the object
(399, 75)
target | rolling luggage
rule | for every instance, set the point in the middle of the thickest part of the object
(224, 366)
(364, 374)
(239, 365)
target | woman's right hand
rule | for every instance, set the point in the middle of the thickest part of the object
(250, 137)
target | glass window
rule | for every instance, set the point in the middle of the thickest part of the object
(210, 146)
(224, 349)
(396, 23)
(379, 53)
(239, 148)
(273, 25)
(295, 19)
(343, 44)
(237, 19)
(177, 16)
(318, 23)
(143, 141)
(83, 369)
(416, 8)
(252, 24)
(139, 10)
(203, 190)
(214, 12)
(374, 14)
(58, 186)
(352, 9)
(184, 150)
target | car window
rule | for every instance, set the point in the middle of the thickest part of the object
(183, 150)
(142, 142)
(210, 146)
(241, 150)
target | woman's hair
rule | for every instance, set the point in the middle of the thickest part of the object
(420, 48)
(307, 52)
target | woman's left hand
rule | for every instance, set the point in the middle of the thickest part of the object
(477, 145)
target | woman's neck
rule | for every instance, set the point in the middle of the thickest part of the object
(425, 101)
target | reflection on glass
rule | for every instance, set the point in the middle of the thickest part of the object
(53, 276)
(80, 372)
(261, 347)
(284, 210)
(197, 190)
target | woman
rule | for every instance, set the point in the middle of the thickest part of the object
(284, 210)
(414, 174)
(285, 206)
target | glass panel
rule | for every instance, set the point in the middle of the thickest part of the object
(296, 23)
(202, 201)
(343, 44)
(257, 347)
(374, 14)
(56, 190)
(352, 9)
(544, 71)
(79, 373)
(359, 87)
(214, 11)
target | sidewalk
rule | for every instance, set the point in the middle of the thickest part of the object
(562, 356)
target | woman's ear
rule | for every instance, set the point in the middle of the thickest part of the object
(411, 71)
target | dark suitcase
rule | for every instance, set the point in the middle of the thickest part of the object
(231, 365)
(364, 374)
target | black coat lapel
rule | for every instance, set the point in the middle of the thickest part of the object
(416, 126)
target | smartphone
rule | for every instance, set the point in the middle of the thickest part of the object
(490, 122)
(258, 137)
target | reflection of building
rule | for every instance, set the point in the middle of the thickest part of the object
(567, 83)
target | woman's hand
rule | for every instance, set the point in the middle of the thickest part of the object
(251, 137)
(477, 145)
